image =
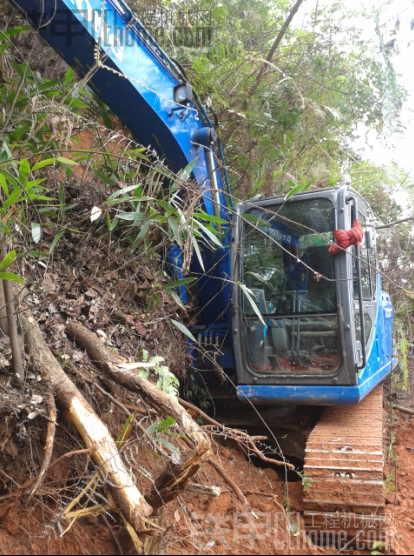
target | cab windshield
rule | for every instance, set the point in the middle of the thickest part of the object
(289, 276)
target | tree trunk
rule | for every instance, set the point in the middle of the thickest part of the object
(165, 404)
(18, 368)
(93, 431)
(275, 46)
(4, 325)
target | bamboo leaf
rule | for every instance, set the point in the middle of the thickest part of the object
(120, 192)
(8, 260)
(43, 163)
(11, 276)
(209, 233)
(126, 430)
(56, 240)
(298, 189)
(3, 184)
(249, 294)
(185, 174)
(13, 198)
(15, 31)
(64, 160)
(129, 199)
(178, 283)
(167, 445)
(209, 218)
(133, 216)
(69, 76)
(176, 299)
(174, 227)
(198, 253)
(183, 329)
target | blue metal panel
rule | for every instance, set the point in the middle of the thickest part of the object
(311, 395)
(140, 91)
(205, 336)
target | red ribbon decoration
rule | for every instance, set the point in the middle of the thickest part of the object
(346, 239)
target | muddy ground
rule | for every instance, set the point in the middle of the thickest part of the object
(194, 523)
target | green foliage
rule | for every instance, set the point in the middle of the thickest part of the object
(404, 346)
(27, 131)
(35, 123)
(196, 393)
(184, 330)
(306, 482)
(166, 381)
(299, 122)
(164, 428)
(126, 430)
(7, 261)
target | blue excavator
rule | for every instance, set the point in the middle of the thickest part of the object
(284, 323)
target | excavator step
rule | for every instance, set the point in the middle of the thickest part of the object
(343, 484)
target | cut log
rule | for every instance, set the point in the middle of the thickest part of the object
(93, 431)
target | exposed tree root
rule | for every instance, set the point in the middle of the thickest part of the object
(174, 479)
(50, 439)
(230, 482)
(93, 431)
(211, 491)
(243, 437)
(404, 409)
(177, 475)
(236, 435)
(110, 363)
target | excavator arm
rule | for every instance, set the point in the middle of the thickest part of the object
(113, 53)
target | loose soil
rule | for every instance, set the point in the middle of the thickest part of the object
(194, 523)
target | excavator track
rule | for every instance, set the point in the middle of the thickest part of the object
(344, 489)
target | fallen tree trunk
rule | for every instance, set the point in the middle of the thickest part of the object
(174, 479)
(166, 405)
(93, 431)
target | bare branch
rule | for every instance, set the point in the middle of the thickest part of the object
(275, 45)
(384, 226)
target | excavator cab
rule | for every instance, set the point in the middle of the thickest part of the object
(324, 333)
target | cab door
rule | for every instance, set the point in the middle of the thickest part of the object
(369, 288)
